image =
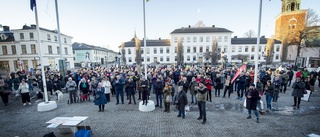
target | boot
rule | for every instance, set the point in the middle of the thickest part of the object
(249, 117)
(258, 120)
(203, 122)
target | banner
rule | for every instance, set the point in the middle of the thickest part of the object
(243, 67)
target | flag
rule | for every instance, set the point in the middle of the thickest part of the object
(32, 4)
(243, 67)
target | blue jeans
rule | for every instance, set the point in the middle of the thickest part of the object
(193, 97)
(159, 97)
(276, 96)
(240, 93)
(202, 110)
(255, 113)
(269, 99)
(182, 113)
(117, 96)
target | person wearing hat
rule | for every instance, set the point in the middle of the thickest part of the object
(24, 89)
(251, 101)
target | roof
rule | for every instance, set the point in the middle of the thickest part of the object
(83, 46)
(25, 27)
(200, 30)
(263, 40)
(161, 42)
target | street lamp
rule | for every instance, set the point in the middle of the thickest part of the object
(119, 58)
(267, 55)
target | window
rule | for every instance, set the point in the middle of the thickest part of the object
(201, 49)
(201, 39)
(161, 59)
(188, 39)
(225, 38)
(194, 39)
(277, 56)
(58, 50)
(66, 51)
(207, 48)
(188, 58)
(278, 48)
(220, 38)
(148, 59)
(168, 58)
(175, 58)
(233, 49)
(49, 49)
(48, 37)
(252, 57)
(213, 38)
(23, 49)
(207, 39)
(33, 49)
(259, 57)
(13, 49)
(188, 49)
(225, 48)
(142, 50)
(194, 58)
(194, 49)
(259, 48)
(148, 50)
(31, 35)
(168, 50)
(155, 50)
(182, 39)
(130, 60)
(4, 50)
(65, 40)
(129, 51)
(175, 49)
(252, 49)
(246, 49)
(21, 36)
(142, 59)
(175, 39)
(55, 38)
(219, 48)
(161, 50)
(239, 48)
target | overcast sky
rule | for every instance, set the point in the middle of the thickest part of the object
(108, 23)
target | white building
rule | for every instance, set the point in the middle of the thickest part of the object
(197, 41)
(89, 55)
(23, 52)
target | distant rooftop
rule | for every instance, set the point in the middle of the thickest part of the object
(25, 27)
(189, 29)
(83, 46)
(263, 40)
(160, 42)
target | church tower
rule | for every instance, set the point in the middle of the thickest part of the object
(290, 21)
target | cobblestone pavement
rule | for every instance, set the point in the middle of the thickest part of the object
(225, 117)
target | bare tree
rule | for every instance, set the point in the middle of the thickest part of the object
(250, 34)
(138, 51)
(269, 51)
(180, 56)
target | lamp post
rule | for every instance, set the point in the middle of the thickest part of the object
(266, 55)
(119, 58)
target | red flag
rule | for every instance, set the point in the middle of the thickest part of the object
(243, 67)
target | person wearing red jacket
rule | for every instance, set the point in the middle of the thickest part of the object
(208, 84)
(199, 79)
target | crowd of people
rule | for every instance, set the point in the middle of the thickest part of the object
(198, 82)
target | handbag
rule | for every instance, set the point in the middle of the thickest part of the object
(168, 99)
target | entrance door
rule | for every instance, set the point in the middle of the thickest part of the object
(155, 59)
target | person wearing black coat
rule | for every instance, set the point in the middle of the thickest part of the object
(56, 84)
(241, 85)
(251, 102)
(158, 88)
(182, 101)
(290, 73)
(131, 87)
(49, 84)
(144, 88)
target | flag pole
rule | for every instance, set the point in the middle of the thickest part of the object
(61, 61)
(258, 43)
(41, 56)
(144, 39)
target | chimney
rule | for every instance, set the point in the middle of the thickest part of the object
(263, 36)
(6, 28)
(189, 26)
(213, 26)
(235, 36)
(33, 26)
(159, 38)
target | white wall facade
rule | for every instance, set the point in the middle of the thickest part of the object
(27, 53)
(155, 54)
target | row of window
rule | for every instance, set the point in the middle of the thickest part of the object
(14, 50)
(58, 50)
(31, 36)
(201, 39)
(246, 49)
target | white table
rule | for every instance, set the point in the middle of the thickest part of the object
(66, 124)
